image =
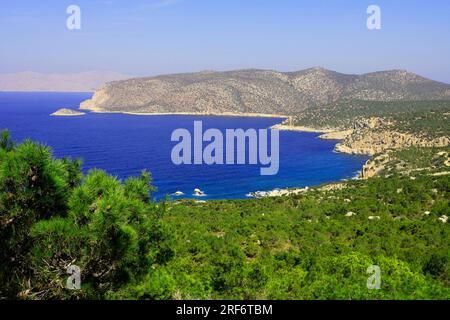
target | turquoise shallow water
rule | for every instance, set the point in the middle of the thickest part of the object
(123, 145)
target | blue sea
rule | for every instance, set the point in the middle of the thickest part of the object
(123, 145)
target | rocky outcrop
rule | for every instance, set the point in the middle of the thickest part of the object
(277, 192)
(100, 97)
(369, 136)
(258, 91)
(370, 142)
(374, 166)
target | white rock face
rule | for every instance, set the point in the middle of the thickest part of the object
(277, 192)
(370, 142)
(198, 193)
(443, 218)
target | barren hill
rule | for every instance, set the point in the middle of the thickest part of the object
(259, 91)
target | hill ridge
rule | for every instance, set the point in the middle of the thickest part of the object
(259, 91)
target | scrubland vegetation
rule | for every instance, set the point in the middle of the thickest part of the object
(423, 118)
(304, 246)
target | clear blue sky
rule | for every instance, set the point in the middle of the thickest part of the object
(148, 37)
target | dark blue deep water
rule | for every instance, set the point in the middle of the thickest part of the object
(123, 145)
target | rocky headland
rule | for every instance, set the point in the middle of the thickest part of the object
(258, 91)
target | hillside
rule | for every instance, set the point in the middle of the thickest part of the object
(408, 114)
(75, 82)
(370, 127)
(259, 91)
(317, 244)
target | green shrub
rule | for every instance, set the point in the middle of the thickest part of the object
(51, 218)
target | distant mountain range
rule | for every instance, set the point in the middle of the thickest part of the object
(260, 91)
(74, 82)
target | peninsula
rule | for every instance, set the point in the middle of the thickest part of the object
(259, 91)
(368, 113)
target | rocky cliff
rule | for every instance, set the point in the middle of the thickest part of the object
(259, 91)
(371, 142)
(374, 135)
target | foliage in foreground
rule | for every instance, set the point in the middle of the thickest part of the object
(51, 217)
(296, 247)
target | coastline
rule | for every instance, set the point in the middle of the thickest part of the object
(347, 142)
(326, 134)
(223, 114)
(284, 127)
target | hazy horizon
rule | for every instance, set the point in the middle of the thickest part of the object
(129, 76)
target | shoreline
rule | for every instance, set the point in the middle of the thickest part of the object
(326, 134)
(284, 127)
(223, 114)
(279, 126)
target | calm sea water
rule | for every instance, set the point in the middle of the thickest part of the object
(123, 145)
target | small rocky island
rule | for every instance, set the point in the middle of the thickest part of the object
(64, 112)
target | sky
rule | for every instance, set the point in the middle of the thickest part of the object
(150, 37)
